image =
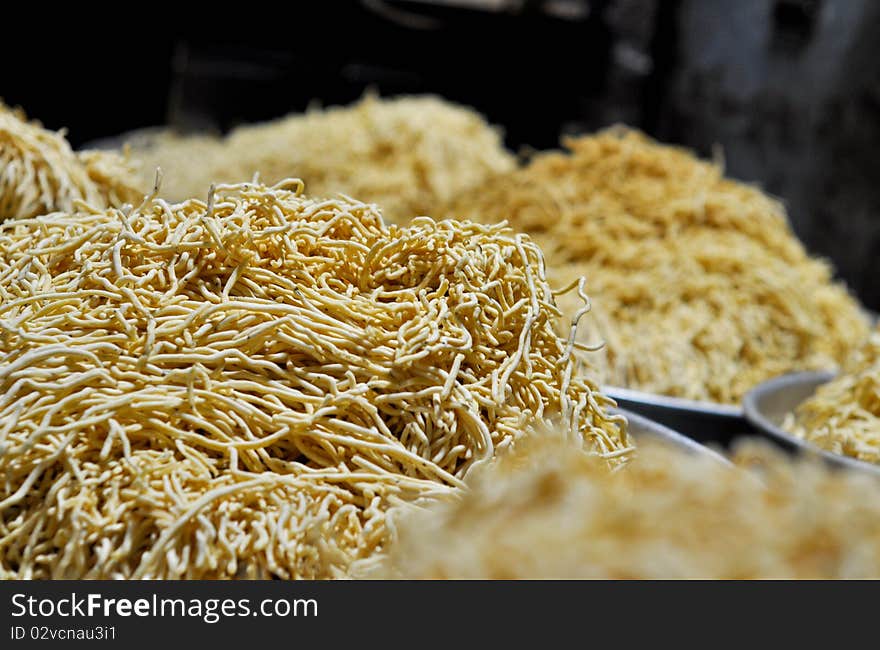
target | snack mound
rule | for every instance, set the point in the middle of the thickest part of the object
(40, 173)
(843, 416)
(700, 288)
(244, 387)
(550, 512)
(407, 154)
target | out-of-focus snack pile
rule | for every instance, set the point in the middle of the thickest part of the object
(700, 288)
(408, 154)
(551, 512)
(844, 415)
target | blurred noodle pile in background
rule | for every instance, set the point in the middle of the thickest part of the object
(40, 173)
(408, 154)
(700, 288)
(843, 416)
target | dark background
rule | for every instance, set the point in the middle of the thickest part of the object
(790, 89)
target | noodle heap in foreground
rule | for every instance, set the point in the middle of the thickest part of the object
(245, 387)
(700, 288)
(844, 415)
(408, 154)
(40, 173)
(549, 512)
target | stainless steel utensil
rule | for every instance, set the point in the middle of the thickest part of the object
(702, 421)
(644, 429)
(767, 404)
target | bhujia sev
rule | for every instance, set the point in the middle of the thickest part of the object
(115, 175)
(547, 511)
(405, 153)
(40, 173)
(700, 288)
(249, 386)
(843, 416)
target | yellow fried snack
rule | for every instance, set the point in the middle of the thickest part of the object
(549, 511)
(844, 415)
(700, 288)
(245, 387)
(40, 173)
(407, 154)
